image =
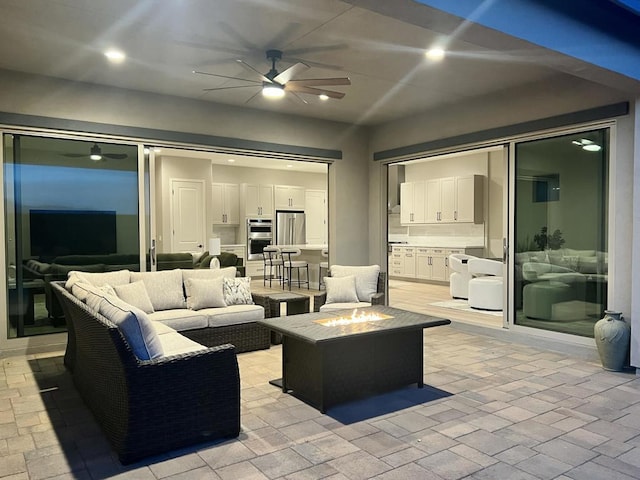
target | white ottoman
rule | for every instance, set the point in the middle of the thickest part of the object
(485, 293)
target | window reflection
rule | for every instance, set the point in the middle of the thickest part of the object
(561, 260)
(65, 211)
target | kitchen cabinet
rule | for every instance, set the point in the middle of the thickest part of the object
(425, 263)
(225, 203)
(403, 262)
(432, 264)
(289, 197)
(257, 200)
(454, 199)
(412, 202)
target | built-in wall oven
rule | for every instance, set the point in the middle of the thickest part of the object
(259, 235)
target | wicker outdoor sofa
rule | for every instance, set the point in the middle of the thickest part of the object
(147, 407)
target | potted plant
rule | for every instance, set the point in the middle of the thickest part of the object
(544, 241)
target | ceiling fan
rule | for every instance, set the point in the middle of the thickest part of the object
(96, 154)
(275, 84)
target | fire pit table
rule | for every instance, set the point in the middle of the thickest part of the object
(334, 357)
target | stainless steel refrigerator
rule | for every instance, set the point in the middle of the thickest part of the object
(290, 228)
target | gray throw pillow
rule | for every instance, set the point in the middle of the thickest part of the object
(341, 289)
(204, 293)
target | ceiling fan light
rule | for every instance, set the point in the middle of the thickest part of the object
(115, 56)
(592, 147)
(272, 91)
(95, 156)
(323, 97)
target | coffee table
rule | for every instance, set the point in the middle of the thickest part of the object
(328, 365)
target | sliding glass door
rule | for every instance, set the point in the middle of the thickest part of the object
(560, 267)
(68, 204)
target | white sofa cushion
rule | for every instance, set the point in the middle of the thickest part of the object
(366, 278)
(164, 288)
(180, 318)
(341, 289)
(208, 274)
(134, 325)
(237, 291)
(119, 277)
(204, 293)
(175, 344)
(135, 293)
(233, 315)
(328, 307)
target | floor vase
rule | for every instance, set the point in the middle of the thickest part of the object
(612, 335)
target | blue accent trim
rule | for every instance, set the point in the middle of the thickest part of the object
(567, 119)
(35, 121)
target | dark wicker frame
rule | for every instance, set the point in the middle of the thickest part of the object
(244, 337)
(377, 298)
(151, 407)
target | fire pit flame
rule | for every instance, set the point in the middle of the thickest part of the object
(355, 318)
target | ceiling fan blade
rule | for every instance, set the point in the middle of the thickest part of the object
(227, 88)
(298, 97)
(289, 73)
(115, 156)
(226, 76)
(260, 75)
(314, 82)
(312, 91)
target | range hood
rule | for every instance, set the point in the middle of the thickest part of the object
(396, 177)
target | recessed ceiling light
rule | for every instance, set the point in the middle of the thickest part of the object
(157, 150)
(324, 97)
(289, 165)
(435, 54)
(146, 151)
(115, 56)
(231, 160)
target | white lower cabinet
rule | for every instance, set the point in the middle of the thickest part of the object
(424, 263)
(255, 268)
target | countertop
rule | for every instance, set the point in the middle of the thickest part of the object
(234, 245)
(310, 246)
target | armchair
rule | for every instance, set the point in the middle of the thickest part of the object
(459, 279)
(486, 286)
(349, 287)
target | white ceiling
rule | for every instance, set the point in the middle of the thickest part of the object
(166, 40)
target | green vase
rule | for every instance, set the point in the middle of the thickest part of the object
(612, 335)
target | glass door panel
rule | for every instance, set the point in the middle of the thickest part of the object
(69, 205)
(560, 264)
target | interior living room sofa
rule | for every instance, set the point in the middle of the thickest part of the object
(59, 267)
(150, 388)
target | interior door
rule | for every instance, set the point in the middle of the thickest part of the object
(187, 215)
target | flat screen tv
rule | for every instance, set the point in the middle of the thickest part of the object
(72, 232)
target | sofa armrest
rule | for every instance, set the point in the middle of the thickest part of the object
(377, 298)
(263, 301)
(319, 300)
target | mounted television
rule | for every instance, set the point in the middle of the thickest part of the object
(72, 232)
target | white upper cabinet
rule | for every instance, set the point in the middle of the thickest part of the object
(225, 203)
(257, 200)
(454, 199)
(289, 197)
(412, 202)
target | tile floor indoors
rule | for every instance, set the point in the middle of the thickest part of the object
(491, 409)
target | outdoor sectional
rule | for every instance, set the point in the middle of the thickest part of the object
(156, 381)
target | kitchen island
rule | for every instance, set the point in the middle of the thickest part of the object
(311, 253)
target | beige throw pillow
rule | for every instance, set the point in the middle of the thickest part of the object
(366, 278)
(204, 293)
(341, 289)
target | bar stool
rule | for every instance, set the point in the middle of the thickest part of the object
(272, 260)
(289, 265)
(324, 265)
